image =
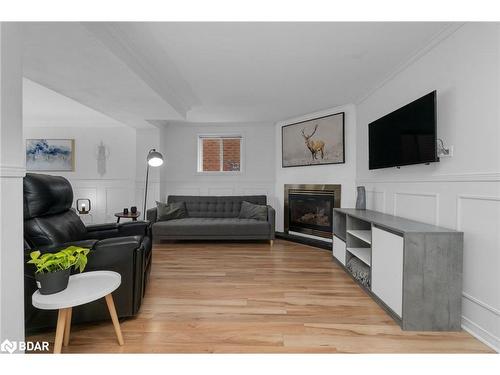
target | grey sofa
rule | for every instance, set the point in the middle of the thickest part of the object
(214, 218)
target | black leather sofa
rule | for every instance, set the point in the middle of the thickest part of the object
(51, 224)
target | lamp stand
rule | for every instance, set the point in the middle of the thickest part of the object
(146, 192)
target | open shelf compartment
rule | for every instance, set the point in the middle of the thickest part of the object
(364, 235)
(362, 253)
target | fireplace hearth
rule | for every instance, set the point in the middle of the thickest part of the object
(309, 209)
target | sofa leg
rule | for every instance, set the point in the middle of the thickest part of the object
(271, 242)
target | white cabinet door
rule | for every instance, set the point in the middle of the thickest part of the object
(339, 249)
(387, 268)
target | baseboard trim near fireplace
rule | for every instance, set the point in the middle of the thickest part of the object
(305, 240)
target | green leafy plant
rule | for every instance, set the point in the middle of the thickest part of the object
(62, 260)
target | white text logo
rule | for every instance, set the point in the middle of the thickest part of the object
(32, 346)
(8, 346)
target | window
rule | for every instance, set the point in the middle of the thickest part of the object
(219, 153)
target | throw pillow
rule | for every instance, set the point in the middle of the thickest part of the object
(170, 211)
(253, 211)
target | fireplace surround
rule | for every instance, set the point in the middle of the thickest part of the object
(309, 208)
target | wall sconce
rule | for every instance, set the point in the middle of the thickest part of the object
(83, 206)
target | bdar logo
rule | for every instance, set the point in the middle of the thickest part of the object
(8, 346)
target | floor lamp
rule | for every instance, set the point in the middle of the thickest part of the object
(154, 159)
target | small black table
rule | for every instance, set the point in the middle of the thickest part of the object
(130, 215)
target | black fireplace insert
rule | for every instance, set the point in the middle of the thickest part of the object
(312, 211)
(309, 209)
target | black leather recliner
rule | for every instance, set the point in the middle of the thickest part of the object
(51, 224)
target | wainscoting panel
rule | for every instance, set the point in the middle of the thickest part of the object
(417, 206)
(117, 198)
(481, 321)
(153, 194)
(107, 196)
(255, 191)
(85, 193)
(221, 188)
(261, 190)
(183, 190)
(481, 250)
(96, 213)
(221, 191)
(375, 200)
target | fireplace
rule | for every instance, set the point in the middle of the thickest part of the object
(309, 209)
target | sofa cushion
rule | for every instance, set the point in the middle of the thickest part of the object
(253, 211)
(216, 206)
(170, 211)
(211, 227)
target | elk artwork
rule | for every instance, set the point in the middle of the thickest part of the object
(314, 146)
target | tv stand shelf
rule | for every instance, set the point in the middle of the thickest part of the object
(364, 235)
(415, 269)
(362, 253)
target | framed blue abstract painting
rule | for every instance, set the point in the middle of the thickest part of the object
(50, 155)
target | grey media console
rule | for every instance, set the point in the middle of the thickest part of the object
(415, 269)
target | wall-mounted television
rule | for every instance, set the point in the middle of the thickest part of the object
(405, 136)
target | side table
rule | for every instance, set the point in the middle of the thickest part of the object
(82, 288)
(130, 215)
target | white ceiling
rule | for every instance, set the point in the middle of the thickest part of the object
(218, 72)
(44, 107)
(67, 58)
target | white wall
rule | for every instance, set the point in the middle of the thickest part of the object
(462, 192)
(343, 174)
(180, 176)
(113, 191)
(11, 185)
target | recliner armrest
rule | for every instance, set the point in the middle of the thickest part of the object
(110, 251)
(121, 244)
(115, 254)
(101, 227)
(88, 244)
(134, 228)
(113, 230)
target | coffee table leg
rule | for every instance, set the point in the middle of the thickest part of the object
(61, 320)
(67, 327)
(114, 318)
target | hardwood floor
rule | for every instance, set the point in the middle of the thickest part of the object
(251, 298)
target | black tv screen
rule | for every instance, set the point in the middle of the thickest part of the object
(405, 136)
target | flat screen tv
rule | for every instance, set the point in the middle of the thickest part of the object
(405, 136)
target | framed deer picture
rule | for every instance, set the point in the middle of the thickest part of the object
(314, 142)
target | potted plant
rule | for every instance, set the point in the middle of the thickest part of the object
(53, 269)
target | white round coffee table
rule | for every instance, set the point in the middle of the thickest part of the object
(82, 288)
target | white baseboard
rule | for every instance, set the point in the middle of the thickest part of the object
(481, 334)
(310, 236)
